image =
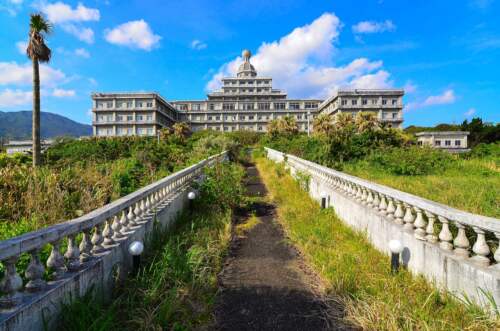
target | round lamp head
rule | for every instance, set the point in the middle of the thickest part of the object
(136, 248)
(395, 246)
(191, 195)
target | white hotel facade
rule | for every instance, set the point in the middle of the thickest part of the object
(244, 102)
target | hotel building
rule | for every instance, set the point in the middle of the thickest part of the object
(244, 102)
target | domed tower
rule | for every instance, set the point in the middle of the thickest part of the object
(246, 69)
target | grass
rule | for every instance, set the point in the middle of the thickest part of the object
(472, 185)
(243, 228)
(359, 275)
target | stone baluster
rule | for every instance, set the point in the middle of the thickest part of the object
(399, 214)
(10, 284)
(73, 254)
(143, 207)
(445, 235)
(364, 196)
(376, 200)
(147, 203)
(383, 204)
(429, 230)
(358, 193)
(408, 218)
(497, 252)
(97, 240)
(461, 242)
(420, 225)
(117, 227)
(34, 272)
(108, 233)
(56, 260)
(390, 208)
(369, 199)
(137, 213)
(85, 246)
(132, 217)
(481, 248)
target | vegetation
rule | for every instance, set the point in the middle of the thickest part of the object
(37, 51)
(176, 287)
(358, 275)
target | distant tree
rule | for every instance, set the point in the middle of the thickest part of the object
(283, 126)
(366, 121)
(323, 125)
(165, 133)
(181, 130)
(37, 51)
(481, 132)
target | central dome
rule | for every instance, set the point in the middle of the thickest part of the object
(246, 69)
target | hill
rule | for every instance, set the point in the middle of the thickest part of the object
(17, 125)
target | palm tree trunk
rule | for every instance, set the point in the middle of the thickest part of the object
(36, 114)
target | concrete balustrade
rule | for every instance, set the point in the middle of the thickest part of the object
(452, 248)
(96, 250)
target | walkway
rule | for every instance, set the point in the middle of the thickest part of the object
(265, 285)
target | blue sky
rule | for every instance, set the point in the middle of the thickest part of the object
(446, 54)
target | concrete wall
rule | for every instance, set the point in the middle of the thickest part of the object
(99, 274)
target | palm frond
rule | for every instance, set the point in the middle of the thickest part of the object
(39, 24)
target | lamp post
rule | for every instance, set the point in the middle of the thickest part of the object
(191, 197)
(396, 248)
(135, 249)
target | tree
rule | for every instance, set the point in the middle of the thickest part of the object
(322, 125)
(37, 51)
(366, 121)
(181, 130)
(282, 126)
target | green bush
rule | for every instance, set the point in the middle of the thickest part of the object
(411, 161)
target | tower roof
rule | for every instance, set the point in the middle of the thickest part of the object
(246, 69)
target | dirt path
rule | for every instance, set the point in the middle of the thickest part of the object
(265, 284)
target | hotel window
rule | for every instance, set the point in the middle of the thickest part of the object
(437, 142)
(294, 105)
(150, 131)
(259, 128)
(226, 128)
(364, 102)
(149, 118)
(149, 104)
(354, 102)
(217, 118)
(183, 107)
(299, 117)
(374, 101)
(458, 142)
(311, 105)
(279, 105)
(211, 106)
(130, 118)
(129, 104)
(119, 118)
(209, 118)
(259, 117)
(251, 117)
(196, 106)
(109, 104)
(447, 142)
(343, 102)
(394, 115)
(264, 106)
(250, 90)
(248, 106)
(140, 118)
(129, 131)
(228, 106)
(139, 104)
(394, 102)
(384, 102)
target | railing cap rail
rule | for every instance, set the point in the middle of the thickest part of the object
(483, 222)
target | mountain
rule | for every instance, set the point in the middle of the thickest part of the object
(17, 125)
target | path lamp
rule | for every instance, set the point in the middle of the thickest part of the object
(396, 248)
(135, 249)
(191, 197)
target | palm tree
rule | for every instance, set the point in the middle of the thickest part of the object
(37, 51)
(367, 121)
(322, 125)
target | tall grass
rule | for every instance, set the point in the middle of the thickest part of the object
(358, 274)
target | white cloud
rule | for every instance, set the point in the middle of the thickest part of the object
(410, 87)
(11, 98)
(83, 34)
(373, 27)
(133, 34)
(62, 93)
(470, 112)
(16, 2)
(198, 45)
(446, 97)
(60, 12)
(82, 52)
(21, 47)
(300, 63)
(12, 73)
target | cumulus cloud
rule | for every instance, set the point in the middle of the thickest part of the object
(470, 112)
(60, 12)
(410, 87)
(198, 45)
(21, 47)
(82, 52)
(133, 34)
(12, 73)
(446, 97)
(12, 98)
(373, 27)
(62, 93)
(82, 33)
(300, 63)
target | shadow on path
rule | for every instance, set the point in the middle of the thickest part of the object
(265, 284)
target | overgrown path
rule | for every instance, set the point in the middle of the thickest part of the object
(265, 284)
